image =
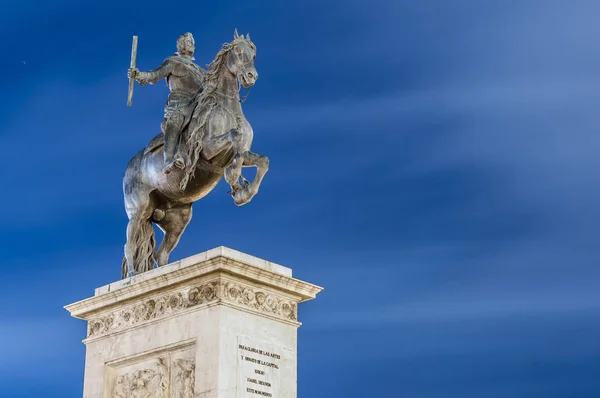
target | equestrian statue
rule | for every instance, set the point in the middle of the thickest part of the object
(204, 136)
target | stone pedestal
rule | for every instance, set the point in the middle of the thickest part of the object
(220, 324)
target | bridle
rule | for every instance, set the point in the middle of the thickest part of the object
(242, 100)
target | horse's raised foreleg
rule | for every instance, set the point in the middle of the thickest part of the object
(216, 145)
(245, 195)
(172, 224)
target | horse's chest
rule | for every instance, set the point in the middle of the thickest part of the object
(238, 122)
(247, 134)
(223, 120)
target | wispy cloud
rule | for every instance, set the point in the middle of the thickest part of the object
(476, 309)
(30, 344)
(432, 166)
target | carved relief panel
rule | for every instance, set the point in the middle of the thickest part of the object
(165, 375)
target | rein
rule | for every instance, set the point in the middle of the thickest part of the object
(242, 100)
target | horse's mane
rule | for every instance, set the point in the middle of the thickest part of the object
(214, 68)
(208, 100)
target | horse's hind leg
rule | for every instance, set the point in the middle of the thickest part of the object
(139, 249)
(173, 224)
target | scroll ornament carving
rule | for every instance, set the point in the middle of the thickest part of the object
(259, 300)
(154, 308)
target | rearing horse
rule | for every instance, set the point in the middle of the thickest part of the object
(217, 143)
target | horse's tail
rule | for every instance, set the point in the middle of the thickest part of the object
(124, 268)
(142, 243)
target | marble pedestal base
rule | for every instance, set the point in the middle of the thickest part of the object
(220, 324)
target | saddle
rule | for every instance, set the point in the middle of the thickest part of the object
(158, 142)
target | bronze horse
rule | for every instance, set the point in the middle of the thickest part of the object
(216, 143)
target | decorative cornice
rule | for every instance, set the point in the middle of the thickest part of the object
(180, 300)
(260, 300)
(189, 271)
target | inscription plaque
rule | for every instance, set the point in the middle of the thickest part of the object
(258, 368)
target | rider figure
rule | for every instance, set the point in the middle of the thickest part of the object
(184, 79)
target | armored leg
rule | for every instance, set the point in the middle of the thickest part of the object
(171, 127)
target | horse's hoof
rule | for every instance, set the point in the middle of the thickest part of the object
(242, 196)
(233, 191)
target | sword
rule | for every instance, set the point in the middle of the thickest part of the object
(132, 65)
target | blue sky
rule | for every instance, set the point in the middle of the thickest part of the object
(434, 165)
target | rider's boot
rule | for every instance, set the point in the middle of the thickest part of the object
(172, 158)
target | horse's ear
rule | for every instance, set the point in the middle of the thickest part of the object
(235, 34)
(247, 36)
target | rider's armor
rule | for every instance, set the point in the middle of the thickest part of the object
(184, 79)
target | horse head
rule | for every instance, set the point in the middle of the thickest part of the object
(240, 60)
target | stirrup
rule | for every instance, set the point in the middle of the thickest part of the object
(168, 167)
(179, 162)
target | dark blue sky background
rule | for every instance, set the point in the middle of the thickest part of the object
(434, 165)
